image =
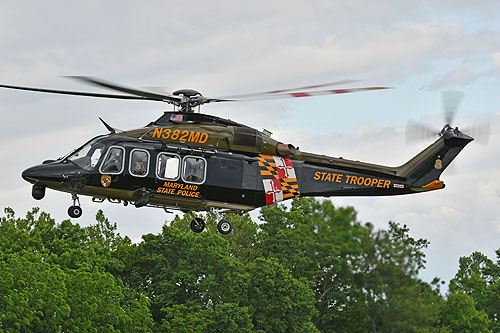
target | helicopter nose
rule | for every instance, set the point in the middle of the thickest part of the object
(52, 172)
(32, 174)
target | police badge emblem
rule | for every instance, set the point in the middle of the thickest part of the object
(438, 164)
(105, 180)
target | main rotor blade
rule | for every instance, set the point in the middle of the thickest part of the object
(330, 84)
(252, 97)
(78, 93)
(451, 101)
(132, 91)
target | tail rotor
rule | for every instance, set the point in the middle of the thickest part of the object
(451, 100)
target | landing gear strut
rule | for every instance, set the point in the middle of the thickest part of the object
(75, 211)
(143, 199)
(198, 224)
(224, 226)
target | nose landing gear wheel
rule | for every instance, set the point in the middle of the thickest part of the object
(197, 224)
(224, 227)
(75, 211)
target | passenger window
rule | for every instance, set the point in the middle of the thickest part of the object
(167, 166)
(194, 170)
(139, 163)
(114, 161)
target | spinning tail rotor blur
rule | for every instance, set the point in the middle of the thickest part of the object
(451, 99)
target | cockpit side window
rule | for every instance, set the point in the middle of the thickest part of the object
(114, 161)
(87, 156)
(139, 162)
(94, 158)
(168, 166)
(194, 170)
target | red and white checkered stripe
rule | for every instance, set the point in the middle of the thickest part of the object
(272, 188)
(279, 95)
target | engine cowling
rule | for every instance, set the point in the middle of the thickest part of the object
(285, 149)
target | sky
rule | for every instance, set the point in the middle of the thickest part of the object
(418, 48)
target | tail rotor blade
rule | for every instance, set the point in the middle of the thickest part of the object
(451, 101)
(419, 132)
(480, 132)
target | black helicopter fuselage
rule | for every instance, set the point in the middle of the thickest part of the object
(192, 161)
(198, 162)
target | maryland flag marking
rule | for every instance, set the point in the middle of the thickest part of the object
(278, 177)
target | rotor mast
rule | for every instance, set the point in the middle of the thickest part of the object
(189, 99)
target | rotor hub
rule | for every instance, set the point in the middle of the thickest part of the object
(186, 92)
(190, 99)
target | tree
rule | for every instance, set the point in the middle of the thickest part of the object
(53, 278)
(362, 279)
(279, 302)
(479, 278)
(388, 275)
(227, 317)
(195, 283)
(243, 242)
(310, 267)
(459, 314)
(32, 294)
(183, 268)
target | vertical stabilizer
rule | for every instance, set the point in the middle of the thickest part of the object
(426, 167)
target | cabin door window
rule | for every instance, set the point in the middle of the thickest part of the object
(168, 166)
(194, 170)
(139, 162)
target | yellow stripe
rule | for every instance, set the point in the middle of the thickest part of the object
(290, 179)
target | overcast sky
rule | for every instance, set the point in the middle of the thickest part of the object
(225, 47)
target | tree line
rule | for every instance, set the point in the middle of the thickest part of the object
(310, 267)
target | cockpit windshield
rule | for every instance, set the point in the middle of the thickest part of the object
(88, 155)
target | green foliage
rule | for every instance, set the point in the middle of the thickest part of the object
(191, 276)
(243, 244)
(53, 278)
(308, 267)
(479, 278)
(279, 302)
(32, 294)
(362, 279)
(183, 318)
(227, 317)
(388, 275)
(176, 267)
(460, 314)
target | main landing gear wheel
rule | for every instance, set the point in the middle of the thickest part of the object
(224, 227)
(197, 224)
(75, 211)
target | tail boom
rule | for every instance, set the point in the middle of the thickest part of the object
(328, 176)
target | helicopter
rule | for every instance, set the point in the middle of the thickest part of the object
(189, 161)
